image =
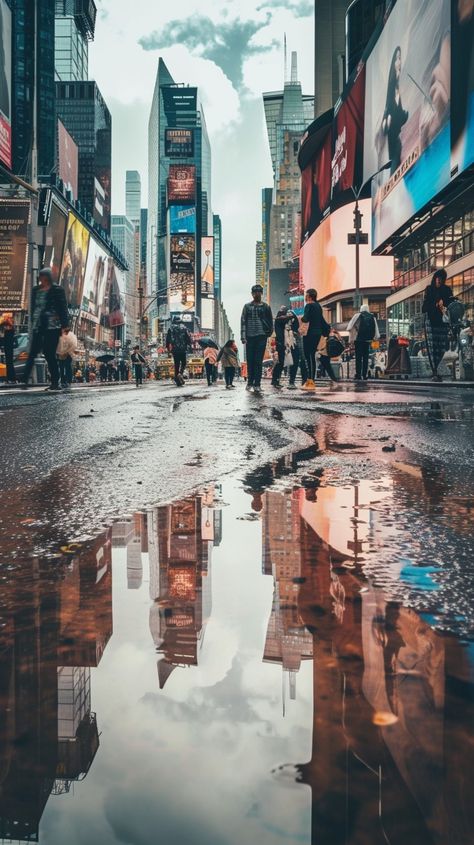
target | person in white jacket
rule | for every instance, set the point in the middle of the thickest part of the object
(363, 329)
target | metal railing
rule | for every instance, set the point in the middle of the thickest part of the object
(457, 249)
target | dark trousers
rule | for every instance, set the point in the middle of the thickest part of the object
(209, 372)
(278, 368)
(138, 374)
(179, 359)
(8, 346)
(65, 370)
(46, 342)
(229, 373)
(298, 361)
(362, 349)
(255, 353)
(326, 367)
(310, 345)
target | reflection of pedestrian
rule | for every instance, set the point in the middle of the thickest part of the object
(138, 362)
(394, 116)
(256, 325)
(317, 327)
(438, 295)
(178, 342)
(49, 318)
(7, 340)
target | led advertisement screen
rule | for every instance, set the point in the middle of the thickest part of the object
(182, 254)
(182, 219)
(348, 143)
(114, 304)
(14, 219)
(55, 237)
(462, 84)
(407, 109)
(95, 283)
(327, 261)
(181, 184)
(207, 266)
(74, 261)
(5, 84)
(68, 160)
(182, 296)
(207, 314)
(316, 189)
(179, 143)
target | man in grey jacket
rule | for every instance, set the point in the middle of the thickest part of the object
(256, 325)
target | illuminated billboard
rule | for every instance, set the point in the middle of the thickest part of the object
(462, 84)
(68, 160)
(5, 84)
(181, 184)
(95, 282)
(348, 143)
(182, 219)
(14, 219)
(74, 261)
(327, 261)
(179, 143)
(55, 237)
(207, 266)
(181, 293)
(115, 309)
(316, 188)
(407, 109)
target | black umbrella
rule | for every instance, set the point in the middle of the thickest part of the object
(208, 341)
(104, 357)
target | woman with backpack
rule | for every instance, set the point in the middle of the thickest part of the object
(363, 329)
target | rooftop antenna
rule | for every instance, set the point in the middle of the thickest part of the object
(294, 66)
(284, 59)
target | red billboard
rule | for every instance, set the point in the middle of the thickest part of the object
(68, 160)
(181, 183)
(5, 84)
(316, 188)
(348, 143)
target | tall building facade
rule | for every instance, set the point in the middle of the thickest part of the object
(84, 113)
(133, 194)
(124, 234)
(217, 232)
(74, 28)
(329, 52)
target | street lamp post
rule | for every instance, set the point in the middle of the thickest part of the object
(359, 237)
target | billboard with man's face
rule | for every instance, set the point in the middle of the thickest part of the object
(407, 109)
(74, 261)
(5, 84)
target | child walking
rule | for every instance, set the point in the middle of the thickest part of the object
(229, 357)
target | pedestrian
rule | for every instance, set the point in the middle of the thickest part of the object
(49, 319)
(103, 372)
(286, 324)
(256, 325)
(210, 361)
(330, 347)
(363, 329)
(7, 340)
(178, 342)
(317, 327)
(438, 295)
(229, 358)
(65, 371)
(138, 362)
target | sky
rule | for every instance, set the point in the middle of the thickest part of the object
(231, 49)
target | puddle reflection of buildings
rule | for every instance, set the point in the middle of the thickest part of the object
(56, 620)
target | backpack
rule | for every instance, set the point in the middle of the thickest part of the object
(366, 326)
(456, 311)
(179, 338)
(334, 347)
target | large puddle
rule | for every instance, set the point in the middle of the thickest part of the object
(280, 660)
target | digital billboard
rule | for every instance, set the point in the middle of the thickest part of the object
(316, 189)
(74, 261)
(179, 143)
(407, 109)
(181, 184)
(14, 219)
(114, 315)
(68, 160)
(95, 282)
(207, 266)
(5, 84)
(348, 143)
(207, 315)
(181, 294)
(182, 219)
(327, 261)
(182, 254)
(462, 84)
(55, 237)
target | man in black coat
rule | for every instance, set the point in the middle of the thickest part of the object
(49, 318)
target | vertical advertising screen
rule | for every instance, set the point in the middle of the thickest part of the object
(348, 143)
(5, 84)
(74, 261)
(179, 143)
(68, 160)
(114, 307)
(182, 219)
(462, 83)
(55, 237)
(207, 266)
(95, 282)
(407, 111)
(181, 293)
(316, 189)
(14, 219)
(181, 184)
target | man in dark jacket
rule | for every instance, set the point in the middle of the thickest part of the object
(49, 318)
(317, 327)
(256, 325)
(178, 342)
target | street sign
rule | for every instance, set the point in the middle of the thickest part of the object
(352, 238)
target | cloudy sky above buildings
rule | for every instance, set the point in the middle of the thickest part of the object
(233, 51)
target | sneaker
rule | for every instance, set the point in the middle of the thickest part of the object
(436, 377)
(53, 388)
(309, 385)
(257, 391)
(231, 386)
(249, 387)
(292, 387)
(276, 385)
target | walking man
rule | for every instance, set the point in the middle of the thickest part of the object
(49, 319)
(256, 325)
(363, 329)
(138, 362)
(178, 342)
(317, 328)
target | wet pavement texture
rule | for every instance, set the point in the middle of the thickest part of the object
(227, 620)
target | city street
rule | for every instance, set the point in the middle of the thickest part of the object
(213, 601)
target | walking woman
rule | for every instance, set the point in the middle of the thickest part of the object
(229, 358)
(317, 327)
(210, 361)
(438, 295)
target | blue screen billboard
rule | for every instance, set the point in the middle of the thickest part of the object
(182, 219)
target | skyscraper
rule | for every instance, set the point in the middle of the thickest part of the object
(217, 231)
(84, 112)
(329, 51)
(124, 236)
(133, 190)
(74, 28)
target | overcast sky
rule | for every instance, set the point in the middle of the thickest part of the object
(231, 49)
